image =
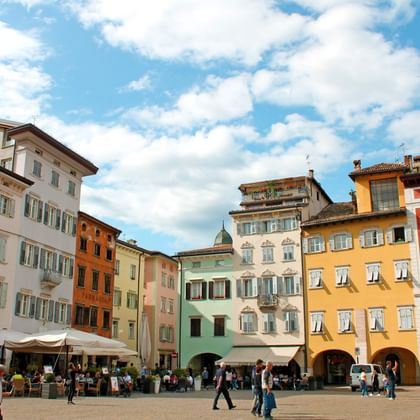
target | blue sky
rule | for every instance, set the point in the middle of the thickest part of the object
(180, 101)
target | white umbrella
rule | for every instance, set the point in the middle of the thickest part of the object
(98, 351)
(145, 347)
(9, 335)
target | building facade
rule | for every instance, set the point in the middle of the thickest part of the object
(268, 310)
(205, 304)
(94, 275)
(42, 264)
(160, 307)
(359, 279)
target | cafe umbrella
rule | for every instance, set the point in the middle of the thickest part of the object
(6, 334)
(145, 341)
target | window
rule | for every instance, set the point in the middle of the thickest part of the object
(376, 319)
(3, 243)
(247, 256)
(219, 263)
(117, 266)
(342, 276)
(131, 300)
(290, 321)
(170, 334)
(163, 333)
(55, 179)
(171, 284)
(79, 315)
(163, 304)
(373, 272)
(170, 306)
(315, 279)
(7, 206)
(317, 322)
(41, 309)
(219, 289)
(107, 283)
(269, 322)
(195, 327)
(289, 223)
(196, 289)
(7, 164)
(97, 250)
(340, 241)
(29, 254)
(95, 280)
(384, 194)
(371, 237)
(248, 322)
(36, 168)
(291, 285)
(68, 224)
(93, 319)
(288, 253)
(163, 280)
(267, 253)
(133, 270)
(313, 244)
(3, 293)
(25, 305)
(115, 328)
(344, 321)
(81, 273)
(399, 234)
(219, 326)
(71, 188)
(405, 318)
(196, 264)
(65, 266)
(33, 208)
(105, 319)
(109, 254)
(52, 216)
(247, 287)
(131, 328)
(268, 286)
(401, 270)
(48, 260)
(97, 233)
(83, 244)
(117, 297)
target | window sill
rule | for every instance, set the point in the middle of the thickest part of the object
(341, 249)
(406, 329)
(315, 287)
(287, 261)
(369, 283)
(249, 333)
(396, 280)
(377, 331)
(345, 332)
(342, 285)
(268, 262)
(398, 243)
(247, 263)
(317, 333)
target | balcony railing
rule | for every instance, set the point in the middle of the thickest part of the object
(267, 301)
(50, 279)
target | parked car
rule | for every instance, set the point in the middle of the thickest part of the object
(355, 371)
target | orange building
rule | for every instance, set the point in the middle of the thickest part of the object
(94, 275)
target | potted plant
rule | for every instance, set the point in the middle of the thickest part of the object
(49, 387)
(156, 384)
(197, 383)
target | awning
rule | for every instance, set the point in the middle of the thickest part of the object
(239, 356)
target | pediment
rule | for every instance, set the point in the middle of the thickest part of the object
(248, 309)
(267, 243)
(288, 241)
(268, 273)
(289, 272)
(247, 274)
(289, 307)
(247, 245)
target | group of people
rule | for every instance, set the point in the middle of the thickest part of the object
(262, 382)
(390, 380)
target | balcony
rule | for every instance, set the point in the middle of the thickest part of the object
(50, 279)
(268, 301)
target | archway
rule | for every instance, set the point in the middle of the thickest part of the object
(201, 360)
(407, 363)
(333, 366)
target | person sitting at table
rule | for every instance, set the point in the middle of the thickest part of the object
(128, 381)
(304, 383)
(36, 379)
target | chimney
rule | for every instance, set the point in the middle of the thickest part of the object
(132, 242)
(357, 165)
(311, 173)
(408, 162)
(353, 199)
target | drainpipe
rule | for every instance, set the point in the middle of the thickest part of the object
(138, 304)
(180, 315)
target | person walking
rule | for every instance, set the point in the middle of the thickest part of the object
(391, 374)
(267, 387)
(72, 385)
(375, 382)
(256, 395)
(363, 383)
(205, 376)
(221, 387)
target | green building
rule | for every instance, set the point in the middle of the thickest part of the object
(205, 304)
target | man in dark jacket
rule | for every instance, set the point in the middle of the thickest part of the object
(256, 387)
(221, 387)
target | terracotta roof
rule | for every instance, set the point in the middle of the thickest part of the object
(94, 219)
(377, 169)
(219, 249)
(344, 212)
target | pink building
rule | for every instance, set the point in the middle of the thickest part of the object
(160, 305)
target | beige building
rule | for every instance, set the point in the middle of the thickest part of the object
(268, 308)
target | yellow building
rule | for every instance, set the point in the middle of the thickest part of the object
(358, 279)
(128, 295)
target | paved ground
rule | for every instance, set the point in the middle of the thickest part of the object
(332, 403)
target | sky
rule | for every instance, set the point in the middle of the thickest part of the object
(178, 102)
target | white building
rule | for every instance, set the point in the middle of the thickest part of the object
(38, 266)
(268, 306)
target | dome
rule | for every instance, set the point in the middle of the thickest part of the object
(223, 237)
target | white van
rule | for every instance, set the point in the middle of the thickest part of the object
(355, 371)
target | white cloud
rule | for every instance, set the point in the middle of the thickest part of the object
(347, 72)
(239, 30)
(142, 83)
(406, 129)
(220, 100)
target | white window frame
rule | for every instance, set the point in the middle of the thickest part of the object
(290, 321)
(37, 168)
(29, 254)
(401, 270)
(55, 179)
(267, 254)
(317, 322)
(34, 206)
(247, 256)
(163, 304)
(405, 317)
(269, 322)
(376, 319)
(163, 281)
(117, 297)
(3, 293)
(66, 266)
(314, 244)
(7, 206)
(291, 285)
(196, 290)
(115, 328)
(68, 222)
(62, 312)
(373, 273)
(132, 300)
(170, 306)
(341, 241)
(71, 188)
(3, 248)
(249, 322)
(371, 237)
(133, 269)
(341, 276)
(131, 330)
(390, 235)
(315, 279)
(219, 289)
(345, 324)
(288, 253)
(287, 224)
(249, 287)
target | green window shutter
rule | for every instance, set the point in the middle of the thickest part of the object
(50, 310)
(18, 303)
(32, 303)
(22, 252)
(39, 216)
(46, 206)
(36, 256)
(26, 211)
(57, 218)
